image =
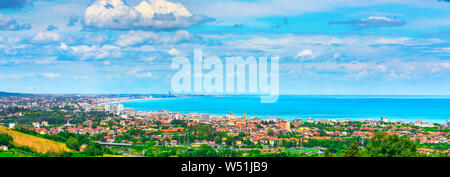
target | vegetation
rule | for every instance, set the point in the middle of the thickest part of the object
(383, 145)
(73, 141)
(353, 151)
(36, 144)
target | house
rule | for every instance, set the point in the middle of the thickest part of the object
(44, 123)
(36, 125)
(88, 123)
(12, 125)
(3, 148)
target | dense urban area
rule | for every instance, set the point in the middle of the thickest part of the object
(98, 125)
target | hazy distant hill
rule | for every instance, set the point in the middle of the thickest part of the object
(12, 94)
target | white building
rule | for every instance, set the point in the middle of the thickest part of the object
(107, 108)
(36, 125)
(4, 148)
(204, 117)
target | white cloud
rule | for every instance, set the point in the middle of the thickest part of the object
(382, 68)
(173, 52)
(402, 40)
(46, 37)
(336, 56)
(148, 59)
(145, 74)
(135, 38)
(151, 7)
(149, 14)
(47, 60)
(137, 72)
(109, 14)
(80, 77)
(446, 65)
(51, 75)
(305, 54)
(92, 51)
(106, 62)
(9, 24)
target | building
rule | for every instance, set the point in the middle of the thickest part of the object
(88, 123)
(3, 148)
(107, 108)
(384, 119)
(36, 125)
(120, 107)
(204, 117)
(44, 123)
(117, 108)
(12, 125)
(285, 126)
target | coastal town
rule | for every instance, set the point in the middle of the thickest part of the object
(124, 131)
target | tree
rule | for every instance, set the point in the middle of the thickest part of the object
(218, 140)
(383, 145)
(5, 139)
(353, 151)
(328, 153)
(270, 132)
(73, 143)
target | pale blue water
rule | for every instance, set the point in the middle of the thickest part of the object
(407, 108)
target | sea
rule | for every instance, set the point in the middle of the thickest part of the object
(408, 108)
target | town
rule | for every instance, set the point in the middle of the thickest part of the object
(96, 125)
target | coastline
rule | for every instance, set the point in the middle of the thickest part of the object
(174, 105)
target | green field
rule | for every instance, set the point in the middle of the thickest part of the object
(303, 150)
(8, 154)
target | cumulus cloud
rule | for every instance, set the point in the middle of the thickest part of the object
(9, 24)
(135, 38)
(13, 4)
(179, 37)
(371, 22)
(148, 15)
(46, 37)
(92, 51)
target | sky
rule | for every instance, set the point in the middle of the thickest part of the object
(387, 47)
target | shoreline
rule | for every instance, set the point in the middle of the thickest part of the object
(288, 117)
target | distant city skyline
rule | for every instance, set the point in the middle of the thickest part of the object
(326, 47)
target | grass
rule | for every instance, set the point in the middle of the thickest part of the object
(37, 144)
(304, 150)
(8, 154)
(110, 155)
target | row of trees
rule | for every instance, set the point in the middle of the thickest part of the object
(5, 139)
(382, 145)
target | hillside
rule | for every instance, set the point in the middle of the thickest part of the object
(4, 94)
(37, 144)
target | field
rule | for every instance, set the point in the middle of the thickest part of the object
(37, 144)
(8, 154)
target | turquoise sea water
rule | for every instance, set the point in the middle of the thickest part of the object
(407, 108)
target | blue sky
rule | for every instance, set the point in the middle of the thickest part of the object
(126, 46)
